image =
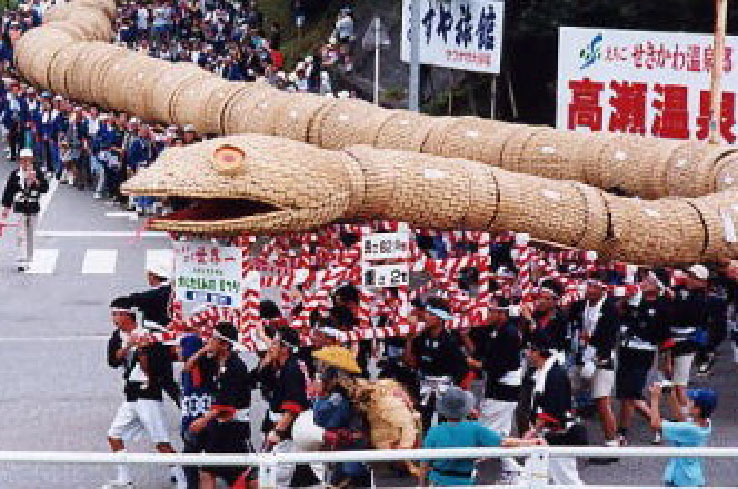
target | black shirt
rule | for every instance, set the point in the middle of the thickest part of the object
(154, 304)
(13, 187)
(441, 356)
(159, 364)
(232, 383)
(286, 387)
(553, 405)
(644, 327)
(499, 351)
(604, 336)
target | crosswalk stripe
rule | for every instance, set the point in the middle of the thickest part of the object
(44, 261)
(99, 261)
(156, 255)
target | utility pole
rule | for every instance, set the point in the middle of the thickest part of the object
(414, 91)
(721, 20)
(377, 50)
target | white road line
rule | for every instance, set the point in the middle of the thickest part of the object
(53, 339)
(44, 261)
(99, 261)
(132, 216)
(46, 199)
(101, 234)
(156, 255)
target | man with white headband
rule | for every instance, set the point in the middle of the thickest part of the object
(436, 355)
(22, 194)
(143, 362)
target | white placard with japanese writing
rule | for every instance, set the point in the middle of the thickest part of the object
(385, 246)
(650, 83)
(207, 274)
(461, 34)
(379, 276)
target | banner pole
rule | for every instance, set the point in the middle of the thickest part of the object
(721, 19)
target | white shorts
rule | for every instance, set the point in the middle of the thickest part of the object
(136, 417)
(603, 382)
(682, 366)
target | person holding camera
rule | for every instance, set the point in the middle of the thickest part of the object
(22, 196)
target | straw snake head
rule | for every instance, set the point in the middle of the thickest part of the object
(248, 183)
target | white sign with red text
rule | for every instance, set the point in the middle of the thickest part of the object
(463, 34)
(650, 83)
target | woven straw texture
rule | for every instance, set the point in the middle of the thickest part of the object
(62, 65)
(34, 53)
(58, 12)
(316, 123)
(404, 130)
(547, 209)
(189, 101)
(98, 73)
(725, 171)
(426, 190)
(437, 135)
(351, 122)
(511, 158)
(113, 80)
(719, 213)
(215, 106)
(247, 112)
(294, 113)
(77, 32)
(662, 232)
(475, 139)
(597, 221)
(93, 22)
(80, 76)
(554, 154)
(166, 85)
(138, 87)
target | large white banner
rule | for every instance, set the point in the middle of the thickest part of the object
(458, 34)
(649, 83)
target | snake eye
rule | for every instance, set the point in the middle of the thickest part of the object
(229, 161)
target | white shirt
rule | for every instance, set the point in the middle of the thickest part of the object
(592, 314)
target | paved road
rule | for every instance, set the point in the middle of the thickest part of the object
(57, 393)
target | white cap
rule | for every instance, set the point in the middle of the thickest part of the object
(134, 120)
(26, 153)
(189, 128)
(161, 265)
(699, 271)
(343, 94)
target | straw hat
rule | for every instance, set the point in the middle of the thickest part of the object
(338, 356)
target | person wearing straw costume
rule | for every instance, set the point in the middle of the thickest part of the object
(22, 195)
(333, 410)
(456, 431)
(143, 362)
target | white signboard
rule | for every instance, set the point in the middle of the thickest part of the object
(650, 83)
(458, 34)
(379, 276)
(208, 274)
(385, 246)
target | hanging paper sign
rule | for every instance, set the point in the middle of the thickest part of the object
(208, 274)
(378, 276)
(385, 246)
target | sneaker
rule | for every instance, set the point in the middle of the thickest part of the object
(509, 478)
(656, 438)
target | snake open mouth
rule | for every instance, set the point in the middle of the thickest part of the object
(220, 209)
